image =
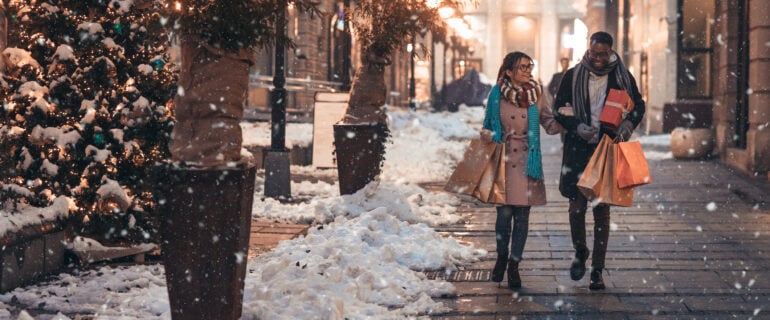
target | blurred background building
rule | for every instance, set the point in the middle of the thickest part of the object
(698, 63)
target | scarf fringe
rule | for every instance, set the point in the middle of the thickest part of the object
(535, 157)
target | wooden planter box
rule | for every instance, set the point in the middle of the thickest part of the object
(31, 253)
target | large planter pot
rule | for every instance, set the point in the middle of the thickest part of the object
(205, 221)
(360, 150)
(691, 143)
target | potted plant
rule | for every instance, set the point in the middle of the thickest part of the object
(381, 27)
(205, 194)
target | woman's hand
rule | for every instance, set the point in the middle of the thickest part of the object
(567, 110)
(486, 135)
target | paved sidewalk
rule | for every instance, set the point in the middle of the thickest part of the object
(265, 234)
(674, 255)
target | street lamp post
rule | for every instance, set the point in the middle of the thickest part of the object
(432, 72)
(277, 175)
(346, 63)
(412, 101)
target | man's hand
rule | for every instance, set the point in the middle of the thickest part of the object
(625, 129)
(586, 132)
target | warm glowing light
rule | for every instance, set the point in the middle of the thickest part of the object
(446, 12)
(178, 6)
(433, 3)
(522, 23)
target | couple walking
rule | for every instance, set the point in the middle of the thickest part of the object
(513, 116)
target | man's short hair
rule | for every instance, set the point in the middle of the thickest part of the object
(601, 37)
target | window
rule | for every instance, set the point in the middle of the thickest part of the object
(339, 47)
(696, 19)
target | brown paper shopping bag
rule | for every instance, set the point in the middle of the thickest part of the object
(491, 186)
(632, 169)
(468, 172)
(590, 181)
(481, 172)
(598, 180)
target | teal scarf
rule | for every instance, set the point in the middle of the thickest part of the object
(492, 123)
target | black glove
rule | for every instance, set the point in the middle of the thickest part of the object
(625, 129)
(586, 132)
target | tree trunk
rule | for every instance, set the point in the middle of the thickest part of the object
(3, 34)
(369, 93)
(211, 199)
(209, 106)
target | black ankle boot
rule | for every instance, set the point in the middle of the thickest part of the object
(578, 268)
(514, 279)
(597, 282)
(499, 271)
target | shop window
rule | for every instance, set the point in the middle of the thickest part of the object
(742, 75)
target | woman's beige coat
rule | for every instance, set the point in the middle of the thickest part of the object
(520, 189)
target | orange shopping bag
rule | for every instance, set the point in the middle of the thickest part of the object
(598, 180)
(632, 169)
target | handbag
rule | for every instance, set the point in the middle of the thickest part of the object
(632, 169)
(481, 172)
(598, 180)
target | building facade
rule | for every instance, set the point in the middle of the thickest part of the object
(700, 64)
(325, 59)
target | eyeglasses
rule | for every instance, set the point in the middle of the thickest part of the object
(599, 55)
(526, 67)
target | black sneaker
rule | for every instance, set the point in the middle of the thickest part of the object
(578, 269)
(499, 271)
(597, 282)
(514, 279)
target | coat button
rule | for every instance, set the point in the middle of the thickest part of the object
(513, 166)
(513, 117)
(523, 116)
(525, 132)
(514, 150)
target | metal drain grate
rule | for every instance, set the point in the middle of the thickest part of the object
(460, 276)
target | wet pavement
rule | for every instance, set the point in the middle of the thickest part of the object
(694, 246)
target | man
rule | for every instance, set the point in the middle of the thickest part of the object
(553, 86)
(584, 89)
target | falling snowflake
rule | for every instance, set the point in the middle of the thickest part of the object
(711, 206)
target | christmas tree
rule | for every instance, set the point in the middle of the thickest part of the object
(86, 111)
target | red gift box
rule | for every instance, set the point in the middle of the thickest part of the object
(616, 106)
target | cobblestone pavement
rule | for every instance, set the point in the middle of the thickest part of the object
(694, 246)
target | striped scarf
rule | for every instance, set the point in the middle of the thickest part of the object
(580, 94)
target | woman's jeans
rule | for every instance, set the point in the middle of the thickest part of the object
(517, 239)
(577, 222)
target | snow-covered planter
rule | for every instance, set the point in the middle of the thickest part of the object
(691, 143)
(31, 241)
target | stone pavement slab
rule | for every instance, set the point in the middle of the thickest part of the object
(694, 245)
(265, 234)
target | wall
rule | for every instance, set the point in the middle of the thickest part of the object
(653, 30)
(755, 158)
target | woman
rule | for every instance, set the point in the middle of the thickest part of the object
(512, 117)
